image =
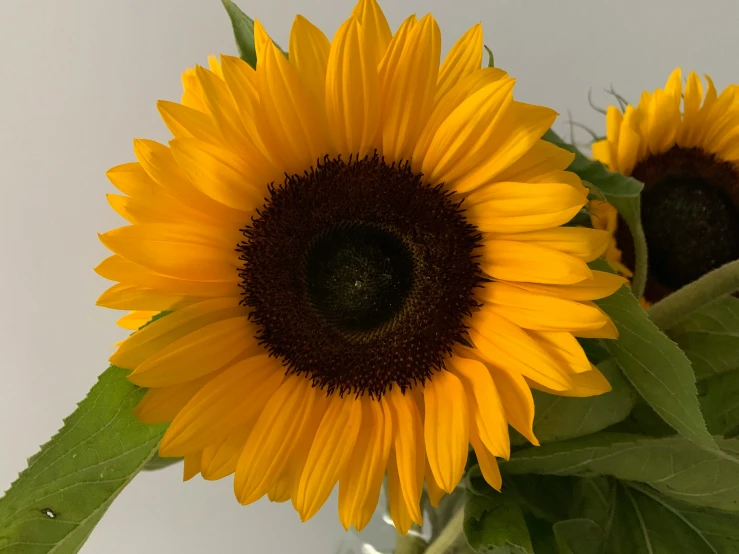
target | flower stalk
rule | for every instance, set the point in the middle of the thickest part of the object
(673, 309)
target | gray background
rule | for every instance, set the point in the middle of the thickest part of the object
(79, 80)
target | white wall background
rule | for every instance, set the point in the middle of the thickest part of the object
(79, 80)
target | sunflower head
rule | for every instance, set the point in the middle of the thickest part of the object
(361, 253)
(683, 143)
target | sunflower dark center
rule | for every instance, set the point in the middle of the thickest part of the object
(690, 214)
(359, 276)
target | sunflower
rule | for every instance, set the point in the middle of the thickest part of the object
(361, 255)
(683, 144)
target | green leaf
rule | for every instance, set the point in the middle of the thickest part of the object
(491, 58)
(621, 191)
(643, 420)
(656, 367)
(592, 498)
(57, 501)
(495, 523)
(720, 403)
(560, 417)
(243, 27)
(541, 534)
(156, 462)
(710, 337)
(547, 497)
(578, 536)
(637, 519)
(645, 522)
(672, 465)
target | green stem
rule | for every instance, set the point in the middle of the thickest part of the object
(409, 544)
(639, 279)
(680, 304)
(451, 540)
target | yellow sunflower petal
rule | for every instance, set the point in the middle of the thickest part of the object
(292, 473)
(608, 331)
(159, 163)
(154, 200)
(292, 130)
(197, 354)
(434, 491)
(134, 297)
(309, 49)
(446, 428)
(521, 261)
(242, 83)
(271, 442)
(187, 122)
(158, 334)
(691, 108)
(221, 107)
(161, 405)
(564, 348)
(518, 130)
(331, 451)
(231, 400)
(409, 453)
(377, 33)
(485, 405)
(629, 142)
(352, 91)
(463, 58)
(603, 152)
(137, 210)
(486, 460)
(541, 312)
(462, 141)
(408, 83)
(398, 510)
(501, 342)
(191, 466)
(118, 268)
(614, 118)
(362, 479)
(602, 284)
(517, 400)
(589, 383)
(461, 90)
(586, 244)
(192, 252)
(541, 158)
(224, 457)
(136, 319)
(229, 179)
(522, 207)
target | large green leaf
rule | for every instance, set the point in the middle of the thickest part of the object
(673, 465)
(710, 337)
(621, 191)
(606, 516)
(656, 367)
(496, 524)
(560, 417)
(57, 501)
(645, 522)
(493, 521)
(720, 403)
(578, 536)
